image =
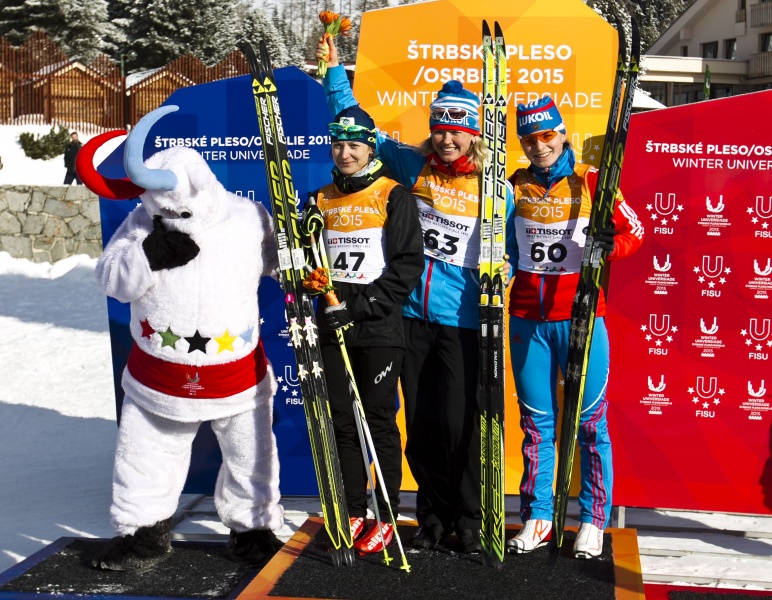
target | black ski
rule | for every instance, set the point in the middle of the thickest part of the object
(299, 307)
(490, 390)
(593, 262)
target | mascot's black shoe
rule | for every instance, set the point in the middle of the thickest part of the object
(255, 547)
(147, 547)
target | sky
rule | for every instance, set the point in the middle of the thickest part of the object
(58, 429)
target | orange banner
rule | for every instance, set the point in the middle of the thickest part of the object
(559, 48)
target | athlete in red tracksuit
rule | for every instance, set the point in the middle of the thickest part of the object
(553, 198)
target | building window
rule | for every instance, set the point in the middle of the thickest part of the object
(684, 50)
(730, 49)
(740, 4)
(766, 42)
(710, 50)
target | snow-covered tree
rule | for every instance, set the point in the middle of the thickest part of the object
(166, 29)
(257, 26)
(86, 30)
(19, 18)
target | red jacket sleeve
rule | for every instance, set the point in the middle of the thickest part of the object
(628, 227)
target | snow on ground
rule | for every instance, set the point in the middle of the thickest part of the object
(20, 170)
(57, 405)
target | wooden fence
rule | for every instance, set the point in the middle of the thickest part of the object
(39, 85)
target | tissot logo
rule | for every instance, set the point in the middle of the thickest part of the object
(719, 207)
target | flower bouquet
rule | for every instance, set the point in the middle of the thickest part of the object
(334, 24)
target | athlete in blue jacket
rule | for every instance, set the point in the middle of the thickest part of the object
(441, 316)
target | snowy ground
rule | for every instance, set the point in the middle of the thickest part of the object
(57, 429)
(20, 170)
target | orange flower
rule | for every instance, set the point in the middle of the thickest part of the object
(333, 25)
(328, 17)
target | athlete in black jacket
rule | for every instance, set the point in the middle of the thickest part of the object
(375, 249)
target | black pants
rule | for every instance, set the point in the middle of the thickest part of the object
(70, 177)
(439, 382)
(376, 371)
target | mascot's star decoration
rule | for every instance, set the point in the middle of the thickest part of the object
(189, 261)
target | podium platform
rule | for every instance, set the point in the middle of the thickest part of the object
(303, 569)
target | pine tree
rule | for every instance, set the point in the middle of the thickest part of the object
(257, 26)
(85, 30)
(19, 18)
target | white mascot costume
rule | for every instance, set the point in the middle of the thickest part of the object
(189, 260)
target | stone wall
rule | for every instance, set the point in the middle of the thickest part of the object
(46, 224)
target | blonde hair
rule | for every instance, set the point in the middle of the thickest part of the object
(477, 153)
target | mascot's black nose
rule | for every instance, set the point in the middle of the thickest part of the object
(186, 215)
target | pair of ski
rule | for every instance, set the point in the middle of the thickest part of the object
(590, 278)
(493, 199)
(302, 323)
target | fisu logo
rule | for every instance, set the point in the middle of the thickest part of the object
(712, 271)
(762, 272)
(760, 393)
(660, 386)
(662, 206)
(705, 396)
(715, 209)
(759, 334)
(764, 207)
(757, 338)
(656, 328)
(709, 330)
(709, 391)
(661, 331)
(664, 267)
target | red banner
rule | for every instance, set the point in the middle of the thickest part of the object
(690, 315)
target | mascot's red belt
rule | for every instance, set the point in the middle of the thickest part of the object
(205, 382)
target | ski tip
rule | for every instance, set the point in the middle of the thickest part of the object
(265, 57)
(486, 31)
(636, 41)
(497, 30)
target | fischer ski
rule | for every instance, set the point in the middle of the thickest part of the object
(490, 390)
(593, 262)
(320, 282)
(299, 308)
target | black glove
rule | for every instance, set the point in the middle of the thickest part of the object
(168, 249)
(338, 316)
(604, 237)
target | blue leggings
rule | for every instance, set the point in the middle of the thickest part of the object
(539, 350)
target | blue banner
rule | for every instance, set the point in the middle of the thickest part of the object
(219, 120)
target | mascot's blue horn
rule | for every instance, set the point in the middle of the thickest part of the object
(150, 179)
